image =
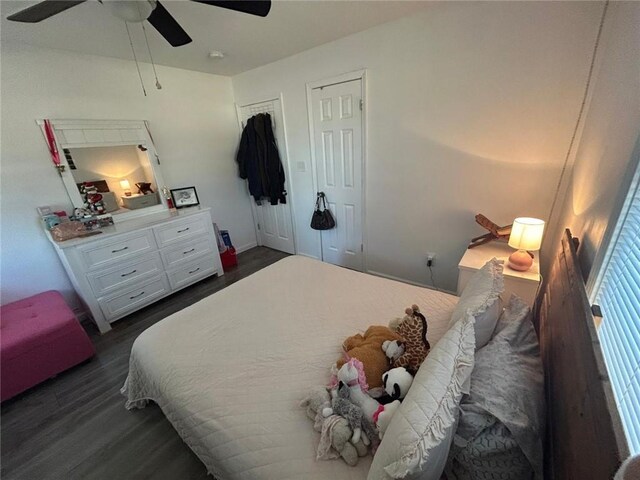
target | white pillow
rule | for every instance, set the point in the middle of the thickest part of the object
(417, 440)
(481, 298)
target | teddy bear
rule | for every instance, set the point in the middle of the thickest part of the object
(368, 349)
(335, 432)
(397, 382)
(339, 434)
(411, 350)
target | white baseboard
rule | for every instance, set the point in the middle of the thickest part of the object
(246, 247)
(307, 255)
(410, 282)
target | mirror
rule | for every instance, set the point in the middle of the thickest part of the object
(121, 175)
(110, 166)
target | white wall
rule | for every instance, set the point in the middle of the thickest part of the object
(192, 120)
(609, 146)
(470, 109)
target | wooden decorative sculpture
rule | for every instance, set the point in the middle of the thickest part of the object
(495, 232)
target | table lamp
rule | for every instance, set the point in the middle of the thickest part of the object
(124, 184)
(526, 235)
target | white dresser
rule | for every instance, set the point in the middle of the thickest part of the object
(137, 262)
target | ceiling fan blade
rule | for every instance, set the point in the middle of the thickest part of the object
(253, 7)
(168, 27)
(43, 10)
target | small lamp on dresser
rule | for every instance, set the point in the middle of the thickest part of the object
(526, 235)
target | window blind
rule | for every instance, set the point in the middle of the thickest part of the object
(619, 298)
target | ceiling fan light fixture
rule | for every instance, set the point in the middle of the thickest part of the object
(132, 11)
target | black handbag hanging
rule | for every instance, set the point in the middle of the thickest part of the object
(322, 218)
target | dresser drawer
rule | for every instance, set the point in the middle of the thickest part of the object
(191, 272)
(118, 248)
(125, 275)
(180, 254)
(134, 299)
(180, 230)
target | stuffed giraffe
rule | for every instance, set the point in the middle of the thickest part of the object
(413, 330)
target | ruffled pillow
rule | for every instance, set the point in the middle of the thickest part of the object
(418, 438)
(481, 298)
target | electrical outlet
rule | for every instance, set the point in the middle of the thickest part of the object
(431, 259)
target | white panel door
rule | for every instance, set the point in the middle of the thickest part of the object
(273, 222)
(337, 127)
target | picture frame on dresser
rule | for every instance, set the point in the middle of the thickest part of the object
(185, 197)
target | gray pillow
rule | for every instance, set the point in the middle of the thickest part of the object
(499, 435)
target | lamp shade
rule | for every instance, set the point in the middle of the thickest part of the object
(526, 233)
(124, 184)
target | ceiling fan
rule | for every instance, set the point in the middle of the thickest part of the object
(140, 10)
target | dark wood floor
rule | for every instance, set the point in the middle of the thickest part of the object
(75, 426)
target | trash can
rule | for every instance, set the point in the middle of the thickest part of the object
(229, 259)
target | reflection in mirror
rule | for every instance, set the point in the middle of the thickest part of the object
(122, 175)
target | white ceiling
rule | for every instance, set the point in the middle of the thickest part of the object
(247, 41)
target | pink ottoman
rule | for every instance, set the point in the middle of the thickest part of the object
(39, 338)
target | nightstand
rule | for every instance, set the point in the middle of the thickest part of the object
(523, 284)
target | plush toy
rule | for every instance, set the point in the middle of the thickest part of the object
(317, 399)
(351, 374)
(394, 349)
(383, 417)
(341, 405)
(335, 433)
(368, 349)
(396, 382)
(395, 323)
(413, 330)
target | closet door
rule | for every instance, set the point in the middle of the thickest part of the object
(337, 132)
(273, 223)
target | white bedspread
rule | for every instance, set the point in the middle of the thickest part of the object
(230, 370)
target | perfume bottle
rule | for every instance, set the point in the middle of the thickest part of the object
(167, 195)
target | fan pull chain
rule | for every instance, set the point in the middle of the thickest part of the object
(135, 59)
(144, 30)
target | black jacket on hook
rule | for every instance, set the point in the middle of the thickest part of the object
(259, 161)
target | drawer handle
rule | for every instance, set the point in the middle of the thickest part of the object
(119, 249)
(183, 230)
(194, 271)
(136, 296)
(188, 251)
(130, 273)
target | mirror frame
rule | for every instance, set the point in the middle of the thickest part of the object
(105, 133)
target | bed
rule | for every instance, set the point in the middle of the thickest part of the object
(230, 370)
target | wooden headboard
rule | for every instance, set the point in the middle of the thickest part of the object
(584, 438)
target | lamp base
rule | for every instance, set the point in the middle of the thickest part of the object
(520, 261)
